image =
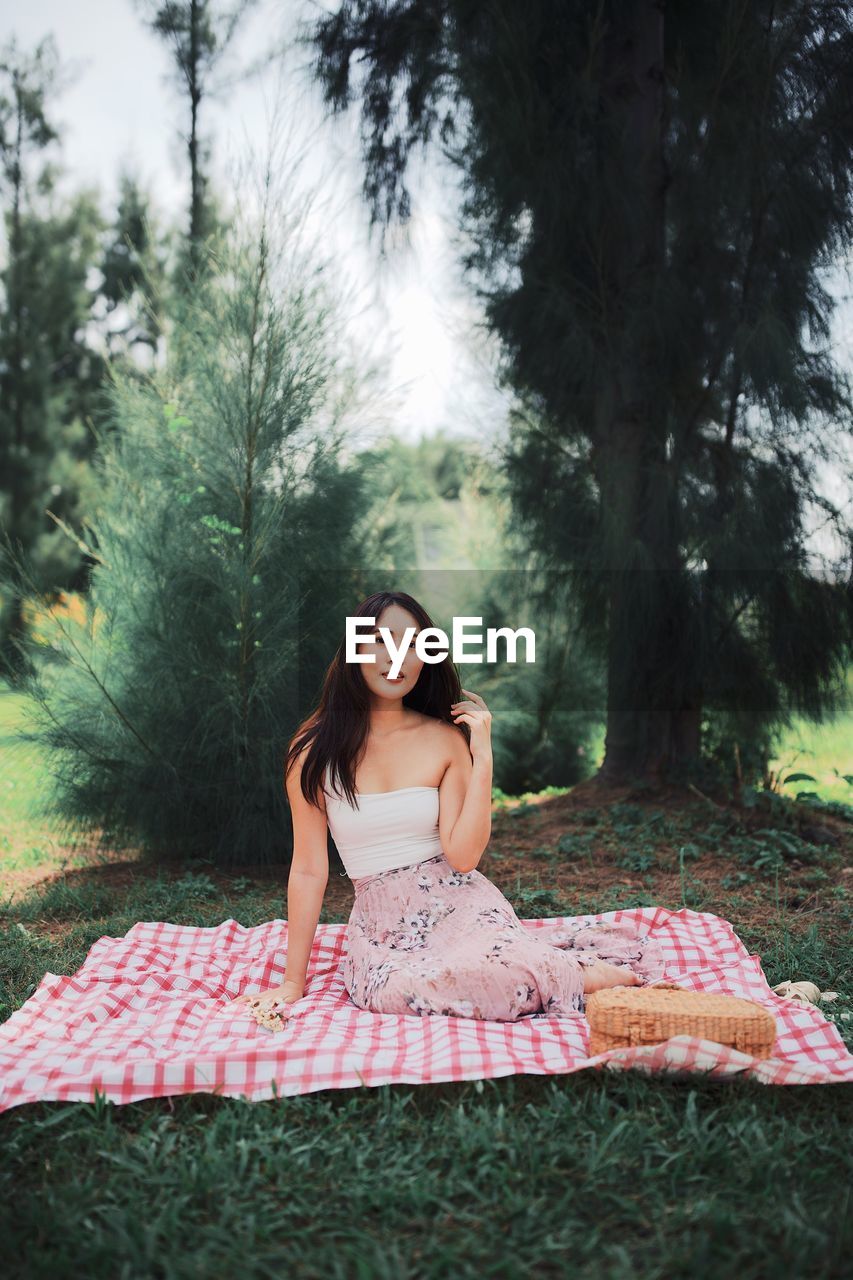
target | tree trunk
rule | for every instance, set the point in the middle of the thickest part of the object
(13, 663)
(196, 195)
(14, 625)
(652, 721)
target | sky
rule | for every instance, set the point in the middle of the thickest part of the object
(411, 309)
(118, 106)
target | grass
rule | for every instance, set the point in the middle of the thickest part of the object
(590, 1175)
(512, 1177)
(823, 751)
(23, 769)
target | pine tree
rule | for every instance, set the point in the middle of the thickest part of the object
(198, 33)
(224, 534)
(134, 277)
(50, 372)
(651, 198)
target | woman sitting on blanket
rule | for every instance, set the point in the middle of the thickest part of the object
(401, 773)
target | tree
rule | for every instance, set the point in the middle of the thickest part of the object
(651, 198)
(224, 531)
(134, 277)
(50, 373)
(199, 34)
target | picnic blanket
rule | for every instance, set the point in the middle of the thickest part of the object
(150, 1014)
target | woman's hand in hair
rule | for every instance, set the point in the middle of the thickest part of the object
(474, 712)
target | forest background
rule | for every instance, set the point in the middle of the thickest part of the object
(542, 313)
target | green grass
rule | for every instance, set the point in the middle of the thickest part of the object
(521, 1176)
(824, 751)
(23, 770)
(592, 1175)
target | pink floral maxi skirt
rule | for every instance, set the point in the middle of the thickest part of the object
(427, 939)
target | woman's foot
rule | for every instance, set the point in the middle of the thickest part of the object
(601, 974)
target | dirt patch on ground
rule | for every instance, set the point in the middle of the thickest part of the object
(571, 849)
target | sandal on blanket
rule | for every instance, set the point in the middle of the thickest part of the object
(804, 992)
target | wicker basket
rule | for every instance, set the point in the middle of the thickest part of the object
(628, 1016)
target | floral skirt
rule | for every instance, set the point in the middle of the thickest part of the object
(427, 939)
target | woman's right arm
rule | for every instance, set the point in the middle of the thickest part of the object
(309, 876)
(306, 888)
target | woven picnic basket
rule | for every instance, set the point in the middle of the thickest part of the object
(627, 1016)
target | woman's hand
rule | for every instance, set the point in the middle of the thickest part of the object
(476, 714)
(260, 1002)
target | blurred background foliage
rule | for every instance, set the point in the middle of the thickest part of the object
(199, 479)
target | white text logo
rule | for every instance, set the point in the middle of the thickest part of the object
(432, 644)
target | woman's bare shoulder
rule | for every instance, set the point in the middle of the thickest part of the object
(449, 740)
(440, 728)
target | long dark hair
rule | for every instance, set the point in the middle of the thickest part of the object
(337, 729)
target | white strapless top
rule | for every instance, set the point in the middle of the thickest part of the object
(389, 829)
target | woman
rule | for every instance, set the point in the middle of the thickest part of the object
(401, 772)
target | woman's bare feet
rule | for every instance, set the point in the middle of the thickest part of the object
(601, 974)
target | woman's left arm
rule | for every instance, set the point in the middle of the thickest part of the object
(465, 795)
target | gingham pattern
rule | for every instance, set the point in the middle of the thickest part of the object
(148, 1015)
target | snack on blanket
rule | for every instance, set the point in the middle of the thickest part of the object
(627, 1016)
(273, 1020)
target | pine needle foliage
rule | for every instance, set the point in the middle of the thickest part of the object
(654, 200)
(223, 517)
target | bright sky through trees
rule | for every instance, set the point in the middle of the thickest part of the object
(118, 107)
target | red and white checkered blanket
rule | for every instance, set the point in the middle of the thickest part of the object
(150, 1014)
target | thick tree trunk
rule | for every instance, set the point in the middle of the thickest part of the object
(674, 695)
(652, 719)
